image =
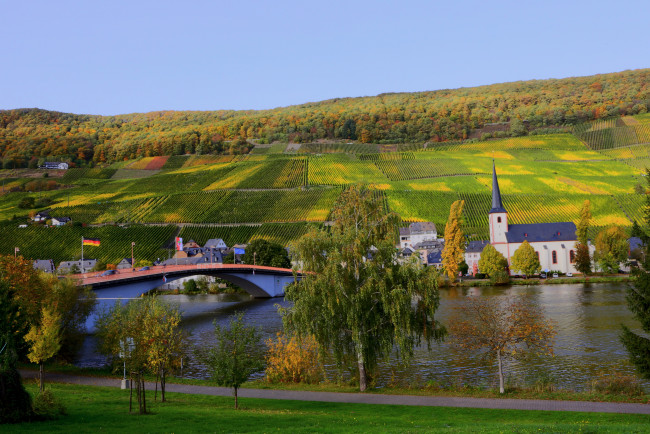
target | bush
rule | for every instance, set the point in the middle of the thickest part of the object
(617, 383)
(26, 203)
(47, 406)
(291, 360)
(499, 278)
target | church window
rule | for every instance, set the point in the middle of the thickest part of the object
(498, 219)
(572, 256)
(554, 255)
(537, 253)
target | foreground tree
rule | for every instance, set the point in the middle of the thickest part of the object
(237, 354)
(638, 301)
(501, 329)
(263, 252)
(525, 260)
(611, 249)
(44, 340)
(453, 253)
(15, 402)
(144, 333)
(355, 298)
(494, 264)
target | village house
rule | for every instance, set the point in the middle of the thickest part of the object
(41, 216)
(416, 233)
(66, 266)
(124, 264)
(60, 221)
(45, 265)
(54, 165)
(216, 243)
(473, 254)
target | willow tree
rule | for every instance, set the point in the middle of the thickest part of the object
(355, 298)
(454, 250)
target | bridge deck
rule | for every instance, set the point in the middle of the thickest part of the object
(160, 270)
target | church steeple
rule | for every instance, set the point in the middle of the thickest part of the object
(497, 205)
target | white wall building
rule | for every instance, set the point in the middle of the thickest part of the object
(417, 233)
(554, 243)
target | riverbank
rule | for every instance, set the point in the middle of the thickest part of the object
(619, 278)
(95, 408)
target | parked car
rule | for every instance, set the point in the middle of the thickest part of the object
(554, 275)
(542, 276)
(145, 268)
(108, 273)
(569, 275)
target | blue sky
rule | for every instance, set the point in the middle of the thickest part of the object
(113, 57)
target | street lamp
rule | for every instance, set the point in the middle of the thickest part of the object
(16, 250)
(132, 260)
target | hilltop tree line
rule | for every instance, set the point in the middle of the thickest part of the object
(28, 136)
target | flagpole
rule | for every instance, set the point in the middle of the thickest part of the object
(82, 254)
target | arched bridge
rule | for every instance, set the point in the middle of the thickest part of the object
(257, 280)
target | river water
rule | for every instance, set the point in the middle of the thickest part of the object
(588, 320)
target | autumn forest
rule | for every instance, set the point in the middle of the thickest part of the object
(29, 136)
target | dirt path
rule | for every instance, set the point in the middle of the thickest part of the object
(363, 398)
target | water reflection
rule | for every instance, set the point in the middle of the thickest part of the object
(588, 319)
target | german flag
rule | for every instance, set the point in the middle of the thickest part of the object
(91, 241)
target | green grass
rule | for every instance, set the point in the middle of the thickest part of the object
(93, 409)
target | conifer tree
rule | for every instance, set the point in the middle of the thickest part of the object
(454, 250)
(638, 301)
(582, 258)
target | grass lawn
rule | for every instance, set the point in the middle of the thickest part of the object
(93, 409)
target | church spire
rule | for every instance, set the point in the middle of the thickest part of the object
(497, 205)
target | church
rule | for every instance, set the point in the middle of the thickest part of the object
(554, 243)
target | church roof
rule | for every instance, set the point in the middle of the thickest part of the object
(497, 205)
(541, 232)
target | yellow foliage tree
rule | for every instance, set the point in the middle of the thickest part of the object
(293, 360)
(44, 339)
(454, 250)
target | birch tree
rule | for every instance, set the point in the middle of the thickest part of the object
(354, 297)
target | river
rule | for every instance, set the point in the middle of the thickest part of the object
(587, 317)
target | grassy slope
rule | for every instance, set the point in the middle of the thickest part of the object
(93, 409)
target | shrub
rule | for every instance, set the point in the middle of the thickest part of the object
(47, 406)
(499, 278)
(616, 383)
(291, 360)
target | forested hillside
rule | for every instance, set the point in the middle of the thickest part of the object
(519, 108)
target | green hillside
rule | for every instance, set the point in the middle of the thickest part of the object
(275, 194)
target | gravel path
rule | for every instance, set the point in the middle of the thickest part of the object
(364, 398)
